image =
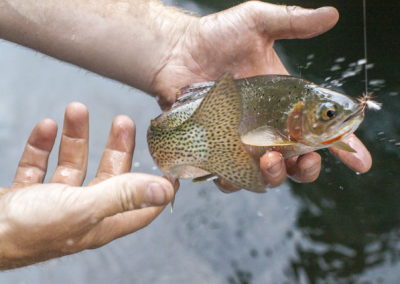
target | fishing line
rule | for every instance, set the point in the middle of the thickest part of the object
(365, 45)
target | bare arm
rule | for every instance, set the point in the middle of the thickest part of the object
(127, 40)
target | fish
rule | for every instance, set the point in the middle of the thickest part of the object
(220, 129)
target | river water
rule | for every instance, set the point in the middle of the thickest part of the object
(344, 228)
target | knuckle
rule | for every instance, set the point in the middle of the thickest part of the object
(130, 196)
(290, 9)
(126, 197)
(71, 246)
(252, 5)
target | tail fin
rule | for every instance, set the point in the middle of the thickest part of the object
(219, 114)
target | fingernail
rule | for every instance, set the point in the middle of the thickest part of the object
(274, 166)
(155, 194)
(224, 190)
(225, 187)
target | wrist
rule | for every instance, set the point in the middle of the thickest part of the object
(171, 29)
(170, 70)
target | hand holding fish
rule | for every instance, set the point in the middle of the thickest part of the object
(42, 221)
(240, 40)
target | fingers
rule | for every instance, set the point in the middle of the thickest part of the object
(128, 192)
(117, 157)
(73, 154)
(305, 168)
(33, 163)
(122, 224)
(361, 161)
(279, 21)
(273, 169)
(225, 186)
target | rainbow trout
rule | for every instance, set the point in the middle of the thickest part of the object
(222, 128)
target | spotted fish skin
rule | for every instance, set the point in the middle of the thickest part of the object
(208, 140)
(223, 127)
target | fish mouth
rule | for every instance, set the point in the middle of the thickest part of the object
(364, 102)
(358, 113)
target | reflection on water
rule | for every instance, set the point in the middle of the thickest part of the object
(344, 228)
(351, 222)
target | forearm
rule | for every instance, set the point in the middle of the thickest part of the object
(127, 40)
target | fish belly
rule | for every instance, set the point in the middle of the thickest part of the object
(286, 151)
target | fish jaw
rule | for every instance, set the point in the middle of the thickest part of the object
(333, 140)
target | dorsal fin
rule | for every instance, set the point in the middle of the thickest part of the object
(194, 89)
(219, 114)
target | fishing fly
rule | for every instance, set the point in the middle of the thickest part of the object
(366, 101)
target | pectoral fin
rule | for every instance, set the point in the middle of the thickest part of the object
(345, 147)
(265, 136)
(194, 89)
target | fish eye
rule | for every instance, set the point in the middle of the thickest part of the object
(327, 111)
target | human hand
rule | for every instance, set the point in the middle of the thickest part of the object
(240, 40)
(42, 221)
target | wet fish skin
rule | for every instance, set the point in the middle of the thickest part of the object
(271, 112)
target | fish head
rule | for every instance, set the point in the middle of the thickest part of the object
(324, 117)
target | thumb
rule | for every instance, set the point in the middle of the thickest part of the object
(287, 22)
(129, 192)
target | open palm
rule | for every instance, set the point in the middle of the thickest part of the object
(46, 220)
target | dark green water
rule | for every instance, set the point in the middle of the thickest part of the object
(343, 228)
(350, 223)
